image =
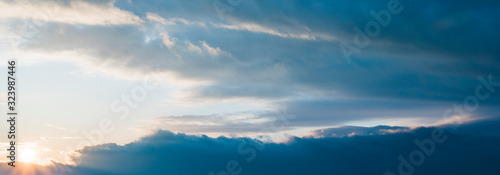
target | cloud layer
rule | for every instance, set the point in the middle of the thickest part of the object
(452, 149)
(288, 53)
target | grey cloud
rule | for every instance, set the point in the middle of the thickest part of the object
(433, 59)
(466, 149)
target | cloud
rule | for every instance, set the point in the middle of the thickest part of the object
(72, 12)
(169, 42)
(212, 51)
(229, 123)
(157, 18)
(288, 54)
(59, 127)
(349, 131)
(262, 29)
(465, 149)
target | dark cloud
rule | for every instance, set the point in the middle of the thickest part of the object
(467, 149)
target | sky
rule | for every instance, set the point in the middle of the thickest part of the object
(307, 87)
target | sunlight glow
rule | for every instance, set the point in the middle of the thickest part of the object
(27, 155)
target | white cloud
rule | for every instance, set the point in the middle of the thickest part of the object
(76, 12)
(212, 51)
(169, 42)
(252, 27)
(193, 48)
(455, 120)
(153, 17)
(157, 18)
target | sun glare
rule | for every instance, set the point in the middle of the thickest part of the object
(27, 155)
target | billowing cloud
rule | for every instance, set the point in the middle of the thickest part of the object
(454, 149)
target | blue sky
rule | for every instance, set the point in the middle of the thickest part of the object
(122, 72)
